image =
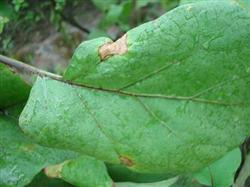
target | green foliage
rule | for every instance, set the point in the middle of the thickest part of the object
(221, 173)
(21, 159)
(13, 90)
(5, 13)
(166, 183)
(104, 5)
(127, 13)
(3, 21)
(120, 173)
(83, 172)
(131, 109)
(170, 97)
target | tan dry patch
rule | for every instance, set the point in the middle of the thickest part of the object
(118, 47)
(54, 171)
(126, 161)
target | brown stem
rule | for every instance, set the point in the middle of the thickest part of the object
(20, 66)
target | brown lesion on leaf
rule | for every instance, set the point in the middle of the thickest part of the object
(54, 171)
(126, 161)
(119, 47)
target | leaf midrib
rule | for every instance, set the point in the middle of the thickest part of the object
(159, 96)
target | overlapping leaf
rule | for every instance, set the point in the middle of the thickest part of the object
(175, 100)
(82, 172)
(13, 90)
(20, 158)
(221, 173)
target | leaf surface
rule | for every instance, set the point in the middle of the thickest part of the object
(120, 173)
(221, 173)
(13, 90)
(20, 159)
(83, 171)
(175, 100)
(166, 183)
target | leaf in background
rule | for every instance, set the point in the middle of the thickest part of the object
(221, 173)
(120, 173)
(13, 90)
(83, 171)
(186, 181)
(88, 172)
(169, 4)
(174, 99)
(166, 183)
(6, 10)
(41, 180)
(104, 5)
(117, 14)
(142, 3)
(244, 175)
(112, 15)
(20, 159)
(3, 21)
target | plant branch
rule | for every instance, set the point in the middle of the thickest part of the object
(20, 66)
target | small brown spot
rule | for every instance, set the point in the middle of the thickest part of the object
(126, 161)
(118, 47)
(54, 171)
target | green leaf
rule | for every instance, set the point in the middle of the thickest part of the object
(166, 183)
(143, 3)
(3, 21)
(186, 181)
(179, 84)
(112, 15)
(83, 172)
(120, 173)
(244, 174)
(6, 10)
(41, 180)
(13, 90)
(127, 129)
(182, 2)
(117, 14)
(20, 159)
(244, 3)
(221, 173)
(104, 5)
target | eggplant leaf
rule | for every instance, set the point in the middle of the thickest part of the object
(83, 171)
(13, 90)
(20, 159)
(171, 95)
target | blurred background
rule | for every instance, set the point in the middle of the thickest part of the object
(44, 33)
